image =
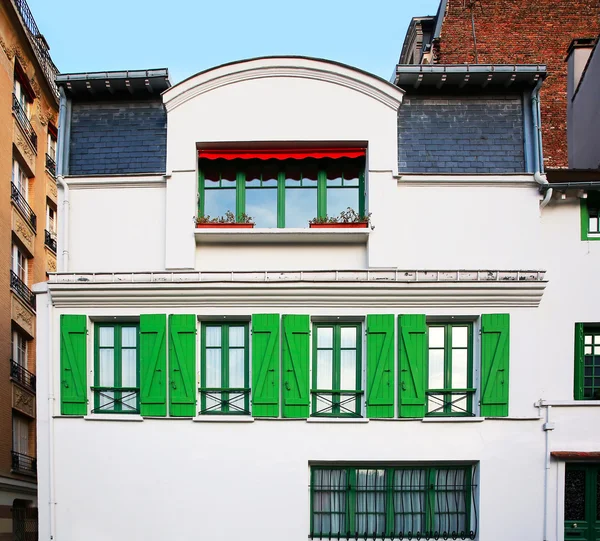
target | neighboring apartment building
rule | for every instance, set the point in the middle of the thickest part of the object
(28, 214)
(510, 32)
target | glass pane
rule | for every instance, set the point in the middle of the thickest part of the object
(348, 369)
(236, 368)
(213, 368)
(128, 337)
(459, 368)
(597, 339)
(236, 336)
(588, 338)
(324, 369)
(370, 502)
(409, 502)
(450, 502)
(436, 337)
(106, 337)
(213, 336)
(460, 337)
(340, 199)
(329, 502)
(300, 206)
(106, 377)
(218, 202)
(574, 494)
(261, 206)
(324, 337)
(459, 403)
(348, 335)
(593, 224)
(129, 368)
(598, 495)
(436, 369)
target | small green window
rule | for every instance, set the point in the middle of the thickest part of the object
(587, 362)
(450, 370)
(393, 502)
(337, 370)
(224, 377)
(116, 368)
(590, 217)
(280, 193)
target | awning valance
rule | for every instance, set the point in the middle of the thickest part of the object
(281, 154)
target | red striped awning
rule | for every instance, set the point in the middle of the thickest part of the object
(566, 455)
(282, 154)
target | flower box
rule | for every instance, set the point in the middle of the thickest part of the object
(210, 225)
(340, 225)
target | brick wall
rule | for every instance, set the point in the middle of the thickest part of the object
(118, 138)
(525, 32)
(466, 134)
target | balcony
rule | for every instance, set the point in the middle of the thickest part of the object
(21, 203)
(22, 375)
(23, 292)
(24, 122)
(24, 464)
(50, 240)
(50, 165)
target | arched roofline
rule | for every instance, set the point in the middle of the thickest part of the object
(283, 66)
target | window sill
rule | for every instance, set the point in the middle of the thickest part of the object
(336, 420)
(568, 403)
(112, 417)
(275, 236)
(223, 419)
(453, 419)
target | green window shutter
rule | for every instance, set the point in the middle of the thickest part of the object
(579, 362)
(153, 365)
(380, 366)
(182, 365)
(73, 365)
(265, 365)
(494, 365)
(412, 362)
(295, 361)
(585, 219)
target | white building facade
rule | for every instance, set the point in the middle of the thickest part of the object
(408, 377)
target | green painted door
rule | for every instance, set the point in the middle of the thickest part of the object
(582, 502)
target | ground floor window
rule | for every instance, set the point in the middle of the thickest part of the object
(587, 362)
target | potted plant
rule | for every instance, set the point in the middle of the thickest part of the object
(229, 220)
(348, 218)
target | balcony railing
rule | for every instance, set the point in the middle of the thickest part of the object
(225, 400)
(50, 240)
(50, 165)
(24, 464)
(20, 201)
(22, 375)
(22, 290)
(24, 121)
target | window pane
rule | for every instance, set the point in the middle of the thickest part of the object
(236, 336)
(128, 368)
(106, 377)
(593, 224)
(324, 337)
(348, 337)
(450, 502)
(324, 369)
(236, 368)
(128, 337)
(329, 502)
(261, 206)
(436, 337)
(213, 368)
(436, 369)
(339, 199)
(348, 369)
(213, 336)
(300, 206)
(370, 502)
(409, 502)
(106, 337)
(460, 337)
(218, 202)
(459, 368)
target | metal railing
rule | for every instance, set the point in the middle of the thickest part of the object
(451, 402)
(343, 403)
(22, 375)
(24, 464)
(50, 240)
(21, 203)
(116, 399)
(50, 165)
(225, 400)
(25, 523)
(40, 45)
(24, 121)
(21, 289)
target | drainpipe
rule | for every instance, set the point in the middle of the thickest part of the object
(547, 428)
(538, 153)
(63, 149)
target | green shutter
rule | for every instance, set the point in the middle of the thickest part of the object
(380, 366)
(412, 362)
(153, 365)
(295, 361)
(73, 365)
(182, 365)
(494, 365)
(585, 218)
(265, 365)
(579, 362)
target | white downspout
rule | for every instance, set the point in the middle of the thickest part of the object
(547, 428)
(538, 153)
(63, 143)
(50, 372)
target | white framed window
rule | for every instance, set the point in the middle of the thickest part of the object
(22, 97)
(20, 179)
(19, 349)
(51, 150)
(19, 263)
(20, 435)
(51, 220)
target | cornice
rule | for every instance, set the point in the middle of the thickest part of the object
(477, 180)
(120, 181)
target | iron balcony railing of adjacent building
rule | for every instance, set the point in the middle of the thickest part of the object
(22, 375)
(50, 240)
(22, 290)
(24, 464)
(50, 165)
(21, 203)
(24, 121)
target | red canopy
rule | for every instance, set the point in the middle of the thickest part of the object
(282, 154)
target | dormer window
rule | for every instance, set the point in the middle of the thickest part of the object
(281, 188)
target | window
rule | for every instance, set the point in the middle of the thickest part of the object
(225, 379)
(337, 370)
(19, 349)
(587, 362)
(19, 263)
(279, 192)
(590, 217)
(19, 179)
(20, 435)
(450, 370)
(51, 151)
(116, 374)
(51, 220)
(396, 502)
(22, 96)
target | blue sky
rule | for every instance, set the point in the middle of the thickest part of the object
(188, 36)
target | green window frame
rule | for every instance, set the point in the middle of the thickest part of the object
(116, 370)
(590, 216)
(587, 362)
(450, 369)
(333, 347)
(247, 176)
(397, 502)
(224, 385)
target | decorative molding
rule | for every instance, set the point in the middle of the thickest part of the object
(22, 316)
(52, 190)
(23, 230)
(9, 50)
(124, 181)
(25, 147)
(507, 180)
(50, 260)
(23, 401)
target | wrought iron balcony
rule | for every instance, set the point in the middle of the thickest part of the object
(24, 121)
(21, 289)
(50, 165)
(50, 240)
(342, 403)
(21, 203)
(225, 400)
(22, 375)
(24, 464)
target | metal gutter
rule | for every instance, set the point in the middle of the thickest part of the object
(590, 185)
(103, 75)
(439, 20)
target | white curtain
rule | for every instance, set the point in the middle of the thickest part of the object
(370, 502)
(329, 502)
(129, 367)
(409, 501)
(450, 502)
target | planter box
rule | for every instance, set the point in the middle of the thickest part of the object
(225, 226)
(351, 225)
